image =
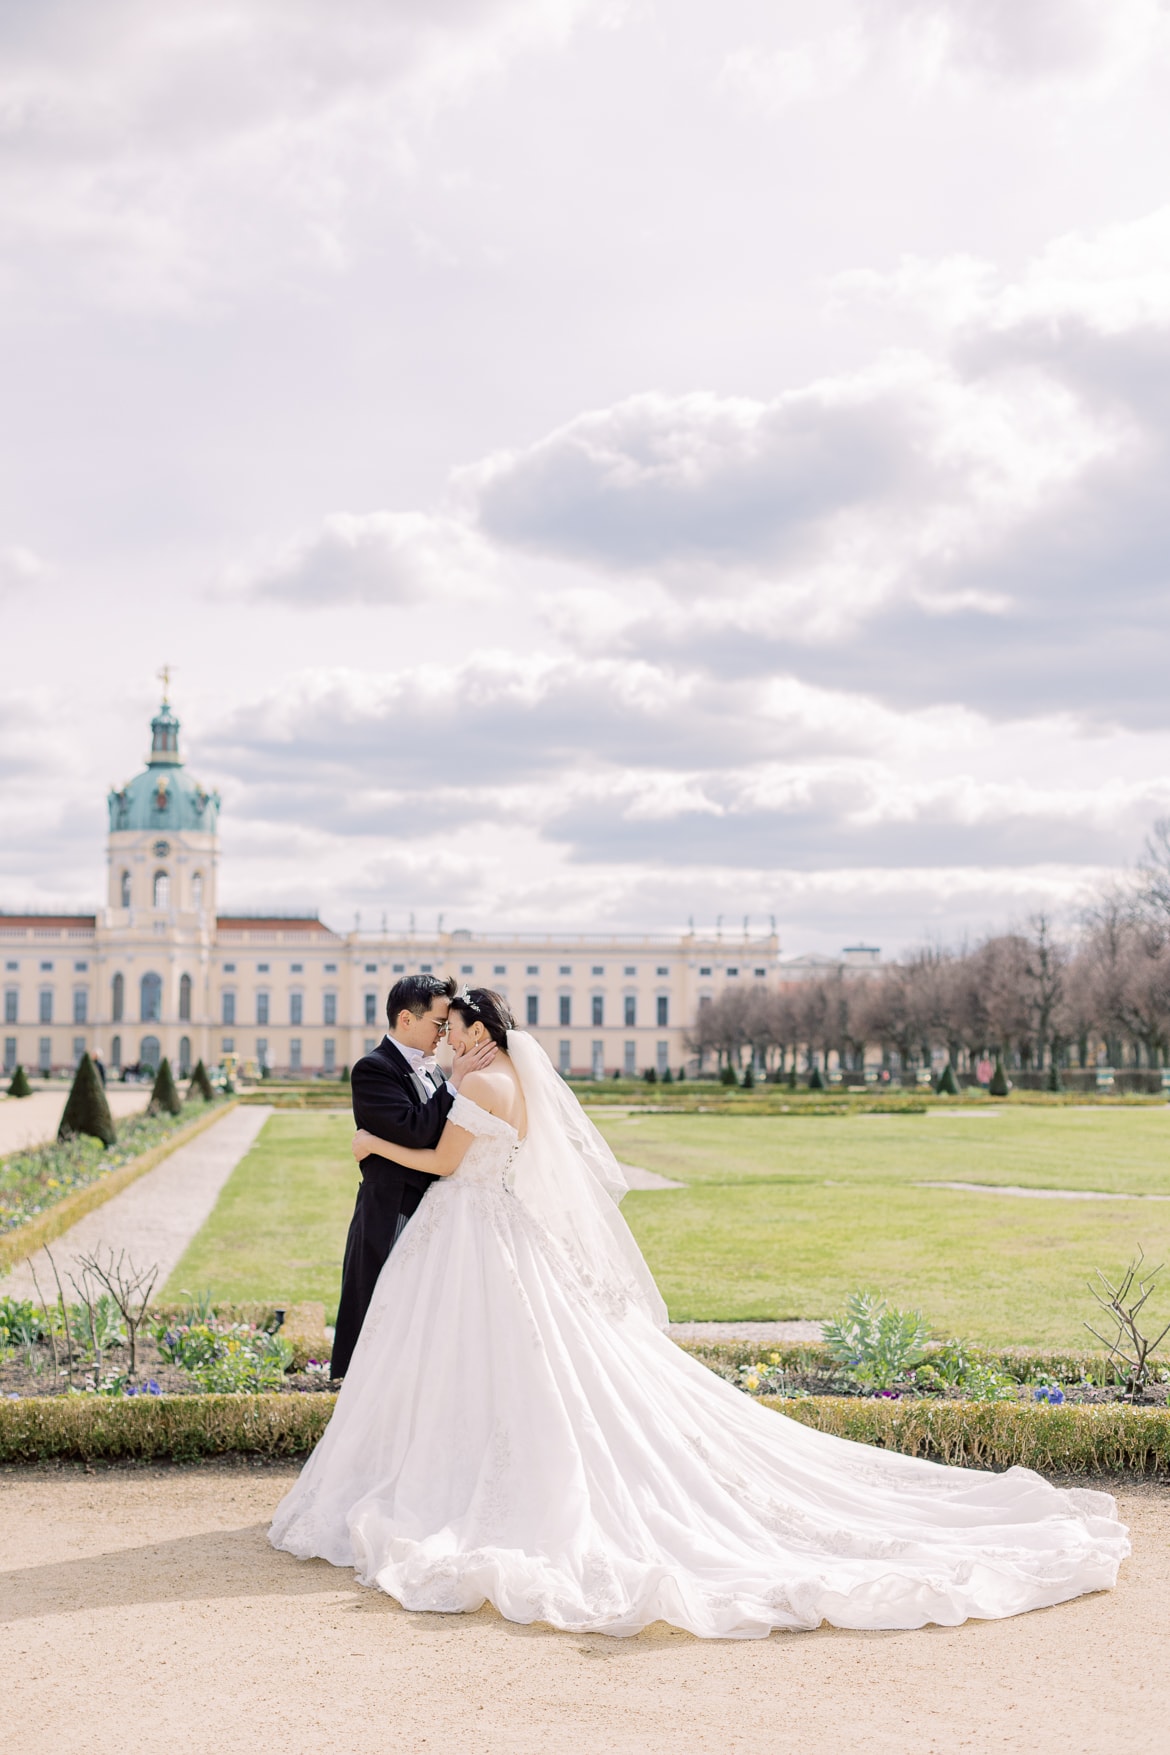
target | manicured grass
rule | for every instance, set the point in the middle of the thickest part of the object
(277, 1233)
(781, 1217)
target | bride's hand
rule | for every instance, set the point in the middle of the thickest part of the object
(473, 1061)
(362, 1146)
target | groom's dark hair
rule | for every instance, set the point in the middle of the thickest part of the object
(416, 993)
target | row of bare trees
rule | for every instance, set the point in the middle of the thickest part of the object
(1036, 997)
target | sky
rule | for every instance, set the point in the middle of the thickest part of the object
(592, 465)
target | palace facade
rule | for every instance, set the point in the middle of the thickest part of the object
(159, 971)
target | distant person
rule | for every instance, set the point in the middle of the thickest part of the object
(515, 1426)
(983, 1071)
(100, 1066)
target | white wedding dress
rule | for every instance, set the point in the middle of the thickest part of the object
(516, 1428)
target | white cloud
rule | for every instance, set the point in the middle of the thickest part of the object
(375, 558)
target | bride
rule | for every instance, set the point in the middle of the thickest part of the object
(516, 1427)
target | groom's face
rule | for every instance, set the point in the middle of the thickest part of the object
(424, 1032)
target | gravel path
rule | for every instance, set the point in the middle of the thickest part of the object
(789, 1334)
(145, 1612)
(156, 1217)
(31, 1121)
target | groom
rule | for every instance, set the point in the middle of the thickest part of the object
(399, 1096)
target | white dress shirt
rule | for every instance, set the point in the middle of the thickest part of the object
(420, 1063)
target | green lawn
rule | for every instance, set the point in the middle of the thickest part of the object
(278, 1229)
(780, 1216)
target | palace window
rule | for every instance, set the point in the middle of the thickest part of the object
(663, 1011)
(598, 1011)
(629, 969)
(116, 1052)
(371, 1005)
(565, 1057)
(45, 1006)
(532, 1009)
(467, 968)
(330, 1054)
(565, 969)
(11, 1005)
(150, 999)
(663, 1057)
(500, 969)
(662, 971)
(758, 973)
(184, 1056)
(162, 890)
(125, 890)
(598, 1060)
(599, 969)
(631, 1011)
(262, 1050)
(197, 891)
(294, 1054)
(630, 1066)
(704, 971)
(10, 1054)
(296, 1008)
(261, 1008)
(80, 1005)
(532, 969)
(371, 968)
(566, 1011)
(229, 1008)
(118, 997)
(78, 1049)
(330, 1019)
(731, 972)
(331, 968)
(184, 999)
(45, 1054)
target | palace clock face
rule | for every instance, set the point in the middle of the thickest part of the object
(161, 849)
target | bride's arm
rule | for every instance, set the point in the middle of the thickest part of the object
(445, 1157)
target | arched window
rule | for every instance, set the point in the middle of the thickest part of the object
(151, 999)
(197, 891)
(125, 889)
(150, 1053)
(118, 998)
(185, 999)
(162, 890)
(185, 1056)
(116, 1052)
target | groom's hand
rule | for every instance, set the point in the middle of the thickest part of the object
(474, 1061)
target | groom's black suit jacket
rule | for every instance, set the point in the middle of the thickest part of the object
(386, 1102)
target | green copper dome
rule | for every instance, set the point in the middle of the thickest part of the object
(165, 796)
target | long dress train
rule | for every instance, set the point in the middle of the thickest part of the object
(511, 1431)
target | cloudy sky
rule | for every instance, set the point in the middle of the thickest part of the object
(592, 463)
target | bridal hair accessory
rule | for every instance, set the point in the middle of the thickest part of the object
(464, 998)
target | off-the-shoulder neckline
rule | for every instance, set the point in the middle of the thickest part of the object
(498, 1118)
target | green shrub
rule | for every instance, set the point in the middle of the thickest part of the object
(948, 1084)
(164, 1099)
(1054, 1082)
(20, 1086)
(668, 1077)
(815, 1080)
(87, 1110)
(226, 1359)
(151, 1428)
(727, 1076)
(201, 1083)
(876, 1344)
(650, 1075)
(999, 1086)
(749, 1077)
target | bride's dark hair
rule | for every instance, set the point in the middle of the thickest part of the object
(479, 1005)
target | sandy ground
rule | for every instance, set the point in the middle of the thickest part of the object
(145, 1612)
(156, 1217)
(31, 1121)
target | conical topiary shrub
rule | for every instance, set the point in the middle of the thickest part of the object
(727, 1076)
(815, 1080)
(749, 1077)
(164, 1099)
(87, 1110)
(201, 1083)
(999, 1086)
(1054, 1082)
(20, 1086)
(948, 1084)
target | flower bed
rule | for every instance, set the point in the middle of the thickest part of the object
(45, 1191)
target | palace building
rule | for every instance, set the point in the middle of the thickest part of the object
(159, 971)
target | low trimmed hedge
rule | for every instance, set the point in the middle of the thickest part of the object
(178, 1428)
(1115, 1439)
(1069, 1440)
